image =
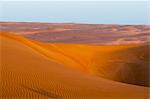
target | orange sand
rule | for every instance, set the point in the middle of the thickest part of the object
(32, 69)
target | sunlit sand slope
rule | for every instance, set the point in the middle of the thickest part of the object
(124, 63)
(37, 71)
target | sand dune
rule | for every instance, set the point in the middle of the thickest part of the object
(80, 33)
(31, 69)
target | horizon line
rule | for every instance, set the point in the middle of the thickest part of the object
(70, 23)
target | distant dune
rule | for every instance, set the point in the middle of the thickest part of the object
(31, 69)
(80, 33)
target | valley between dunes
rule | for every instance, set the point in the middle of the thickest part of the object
(36, 70)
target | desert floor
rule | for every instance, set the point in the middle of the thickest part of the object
(36, 70)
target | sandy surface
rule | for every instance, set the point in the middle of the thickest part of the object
(37, 70)
(106, 34)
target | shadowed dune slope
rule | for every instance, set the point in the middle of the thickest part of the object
(124, 63)
(36, 70)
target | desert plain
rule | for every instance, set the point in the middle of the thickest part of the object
(74, 61)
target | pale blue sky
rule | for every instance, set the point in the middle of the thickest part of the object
(96, 12)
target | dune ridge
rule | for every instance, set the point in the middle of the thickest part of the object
(41, 70)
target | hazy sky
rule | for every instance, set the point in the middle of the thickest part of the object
(102, 12)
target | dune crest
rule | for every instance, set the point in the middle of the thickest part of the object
(39, 70)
